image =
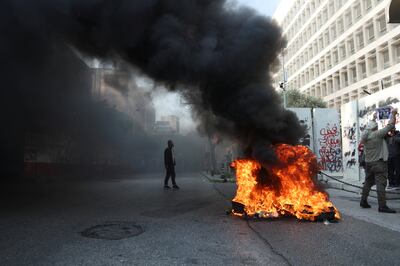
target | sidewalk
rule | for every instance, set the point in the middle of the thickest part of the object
(351, 185)
(346, 202)
(219, 178)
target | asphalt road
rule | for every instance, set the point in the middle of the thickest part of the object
(41, 224)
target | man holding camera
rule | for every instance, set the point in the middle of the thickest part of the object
(376, 157)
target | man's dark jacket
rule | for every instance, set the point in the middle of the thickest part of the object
(394, 145)
(169, 159)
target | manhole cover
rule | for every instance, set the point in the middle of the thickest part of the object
(113, 230)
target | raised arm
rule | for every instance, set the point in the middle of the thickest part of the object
(391, 125)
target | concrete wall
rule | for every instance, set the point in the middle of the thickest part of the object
(324, 132)
(355, 116)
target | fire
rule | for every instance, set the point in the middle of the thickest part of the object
(288, 188)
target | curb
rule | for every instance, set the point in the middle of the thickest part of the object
(331, 184)
(218, 179)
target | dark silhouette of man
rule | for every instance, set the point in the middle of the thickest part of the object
(169, 161)
(393, 142)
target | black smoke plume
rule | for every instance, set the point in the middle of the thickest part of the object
(218, 56)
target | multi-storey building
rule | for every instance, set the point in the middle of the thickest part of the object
(114, 86)
(173, 120)
(339, 50)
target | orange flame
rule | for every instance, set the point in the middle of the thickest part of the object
(289, 188)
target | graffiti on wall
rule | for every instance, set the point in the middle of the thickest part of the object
(330, 151)
(350, 136)
(306, 140)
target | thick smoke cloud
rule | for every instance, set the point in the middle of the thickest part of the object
(219, 58)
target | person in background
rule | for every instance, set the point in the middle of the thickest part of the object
(169, 161)
(393, 142)
(376, 157)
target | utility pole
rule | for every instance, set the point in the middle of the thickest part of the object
(282, 85)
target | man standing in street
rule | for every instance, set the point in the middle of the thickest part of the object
(376, 157)
(393, 142)
(169, 161)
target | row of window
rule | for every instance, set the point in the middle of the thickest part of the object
(371, 88)
(354, 42)
(365, 66)
(331, 33)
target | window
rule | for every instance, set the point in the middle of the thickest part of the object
(327, 39)
(348, 19)
(330, 86)
(387, 82)
(343, 51)
(345, 79)
(335, 56)
(328, 61)
(336, 83)
(360, 40)
(397, 50)
(362, 69)
(351, 45)
(340, 26)
(325, 15)
(373, 63)
(333, 32)
(357, 11)
(385, 58)
(331, 8)
(353, 72)
(367, 4)
(370, 32)
(382, 23)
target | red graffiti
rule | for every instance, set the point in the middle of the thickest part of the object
(330, 152)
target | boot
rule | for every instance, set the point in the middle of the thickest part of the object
(364, 204)
(386, 209)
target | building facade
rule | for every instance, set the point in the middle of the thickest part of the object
(167, 125)
(339, 50)
(173, 120)
(117, 88)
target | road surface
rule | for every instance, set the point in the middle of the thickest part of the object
(42, 224)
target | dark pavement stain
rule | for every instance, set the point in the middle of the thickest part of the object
(113, 231)
(169, 211)
(191, 261)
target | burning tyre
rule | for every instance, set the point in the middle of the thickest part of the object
(284, 188)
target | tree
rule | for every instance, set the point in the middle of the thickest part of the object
(296, 99)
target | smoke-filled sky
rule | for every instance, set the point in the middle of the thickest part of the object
(218, 56)
(170, 104)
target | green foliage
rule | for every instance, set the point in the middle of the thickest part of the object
(296, 99)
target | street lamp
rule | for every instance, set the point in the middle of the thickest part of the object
(282, 84)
